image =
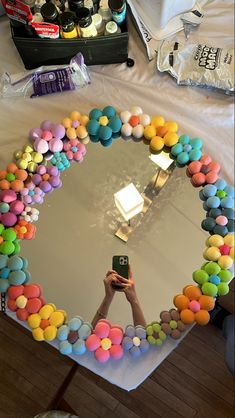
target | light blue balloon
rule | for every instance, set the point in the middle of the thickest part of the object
(65, 348)
(17, 277)
(4, 284)
(74, 324)
(3, 261)
(79, 347)
(63, 332)
(15, 263)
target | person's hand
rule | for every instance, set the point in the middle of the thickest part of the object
(128, 287)
(109, 279)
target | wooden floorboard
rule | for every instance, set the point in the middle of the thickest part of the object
(193, 382)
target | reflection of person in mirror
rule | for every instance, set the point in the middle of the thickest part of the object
(113, 282)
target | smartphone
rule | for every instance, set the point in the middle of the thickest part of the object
(120, 264)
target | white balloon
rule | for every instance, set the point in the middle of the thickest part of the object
(125, 116)
(136, 110)
(138, 131)
(126, 129)
(145, 119)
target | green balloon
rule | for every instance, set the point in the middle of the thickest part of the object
(17, 247)
(162, 335)
(225, 275)
(1, 229)
(7, 248)
(151, 340)
(156, 327)
(173, 324)
(223, 289)
(9, 234)
(200, 276)
(209, 289)
(212, 268)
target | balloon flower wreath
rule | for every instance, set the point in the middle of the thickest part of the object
(36, 172)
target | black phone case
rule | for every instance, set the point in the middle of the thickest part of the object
(120, 265)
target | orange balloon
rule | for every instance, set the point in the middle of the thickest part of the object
(202, 317)
(21, 174)
(206, 302)
(181, 302)
(187, 316)
(17, 185)
(134, 120)
(162, 131)
(4, 185)
(11, 168)
(3, 174)
(192, 292)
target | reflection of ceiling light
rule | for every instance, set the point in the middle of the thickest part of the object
(162, 160)
(129, 201)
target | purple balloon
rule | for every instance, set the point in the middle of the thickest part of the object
(17, 207)
(55, 145)
(41, 170)
(35, 133)
(8, 219)
(55, 182)
(58, 131)
(46, 125)
(45, 186)
(53, 171)
(8, 196)
(36, 179)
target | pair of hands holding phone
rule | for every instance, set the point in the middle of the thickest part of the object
(114, 282)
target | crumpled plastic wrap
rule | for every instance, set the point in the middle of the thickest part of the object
(46, 80)
(199, 65)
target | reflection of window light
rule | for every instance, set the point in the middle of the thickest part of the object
(129, 201)
(162, 160)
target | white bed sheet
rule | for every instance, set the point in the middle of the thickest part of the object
(199, 112)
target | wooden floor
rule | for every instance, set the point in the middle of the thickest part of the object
(192, 382)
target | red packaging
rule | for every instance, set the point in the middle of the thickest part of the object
(46, 30)
(19, 11)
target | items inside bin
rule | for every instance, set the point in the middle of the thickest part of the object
(67, 19)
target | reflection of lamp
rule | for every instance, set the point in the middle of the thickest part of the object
(162, 160)
(129, 201)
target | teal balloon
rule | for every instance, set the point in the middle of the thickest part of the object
(17, 277)
(3, 261)
(95, 114)
(93, 127)
(15, 263)
(105, 133)
(25, 263)
(115, 124)
(184, 139)
(4, 273)
(109, 111)
(183, 158)
(196, 143)
(4, 284)
(107, 143)
(195, 155)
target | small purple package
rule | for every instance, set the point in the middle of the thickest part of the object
(46, 80)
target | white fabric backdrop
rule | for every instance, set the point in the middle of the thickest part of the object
(199, 112)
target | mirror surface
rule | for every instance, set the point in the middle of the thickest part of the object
(75, 238)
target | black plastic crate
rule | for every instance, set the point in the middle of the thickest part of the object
(99, 50)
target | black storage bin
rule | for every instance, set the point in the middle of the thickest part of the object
(99, 50)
